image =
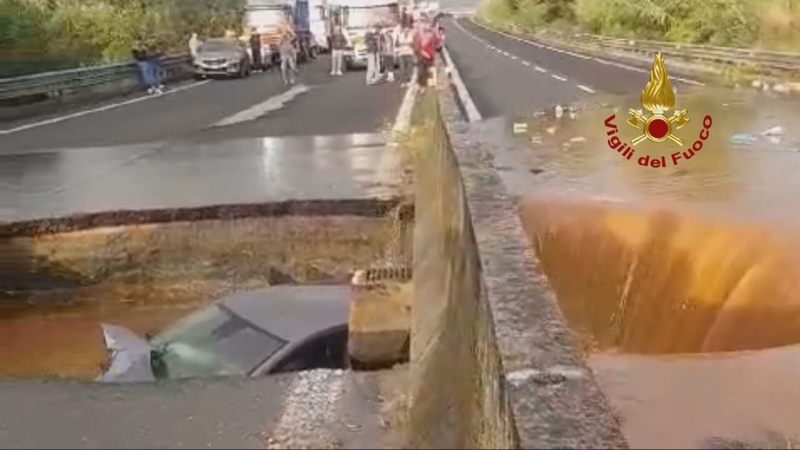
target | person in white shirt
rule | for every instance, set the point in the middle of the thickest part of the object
(194, 44)
(405, 51)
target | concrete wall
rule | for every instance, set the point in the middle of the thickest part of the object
(493, 363)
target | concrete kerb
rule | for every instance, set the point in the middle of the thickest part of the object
(494, 364)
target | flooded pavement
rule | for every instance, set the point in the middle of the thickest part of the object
(661, 269)
(744, 171)
(172, 175)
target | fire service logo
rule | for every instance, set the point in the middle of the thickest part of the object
(658, 98)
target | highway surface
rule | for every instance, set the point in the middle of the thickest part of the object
(217, 110)
(509, 76)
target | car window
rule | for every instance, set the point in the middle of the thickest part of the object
(213, 342)
(326, 351)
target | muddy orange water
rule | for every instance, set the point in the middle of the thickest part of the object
(660, 282)
(682, 281)
(145, 277)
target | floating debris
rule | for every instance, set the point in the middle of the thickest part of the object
(743, 139)
(774, 131)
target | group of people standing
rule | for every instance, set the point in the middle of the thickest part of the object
(404, 46)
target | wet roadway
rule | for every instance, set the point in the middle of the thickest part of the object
(238, 141)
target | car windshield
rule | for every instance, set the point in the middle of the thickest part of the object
(212, 342)
(218, 46)
(366, 17)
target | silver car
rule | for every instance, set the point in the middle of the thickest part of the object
(279, 329)
(222, 57)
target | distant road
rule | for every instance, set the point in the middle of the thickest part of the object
(218, 109)
(506, 76)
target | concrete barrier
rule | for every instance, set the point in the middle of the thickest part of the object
(493, 362)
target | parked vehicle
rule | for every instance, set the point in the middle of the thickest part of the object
(222, 57)
(357, 16)
(270, 17)
(267, 331)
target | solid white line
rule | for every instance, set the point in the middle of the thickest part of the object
(539, 69)
(559, 78)
(586, 89)
(403, 119)
(97, 110)
(309, 410)
(269, 105)
(473, 115)
(580, 56)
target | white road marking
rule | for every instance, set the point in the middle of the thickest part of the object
(309, 410)
(269, 105)
(403, 119)
(99, 109)
(473, 115)
(525, 63)
(539, 69)
(514, 57)
(577, 55)
(586, 89)
(559, 78)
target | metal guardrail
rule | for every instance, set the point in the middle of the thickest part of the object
(55, 84)
(764, 60)
(760, 60)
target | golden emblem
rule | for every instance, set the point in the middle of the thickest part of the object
(658, 98)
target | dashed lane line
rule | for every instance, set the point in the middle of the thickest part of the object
(517, 58)
(578, 55)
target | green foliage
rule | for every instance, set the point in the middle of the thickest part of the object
(40, 35)
(766, 23)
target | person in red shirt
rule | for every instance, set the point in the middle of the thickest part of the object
(425, 46)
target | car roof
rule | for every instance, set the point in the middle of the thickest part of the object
(293, 312)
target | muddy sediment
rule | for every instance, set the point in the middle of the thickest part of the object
(147, 276)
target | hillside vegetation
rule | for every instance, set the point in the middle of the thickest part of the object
(771, 24)
(40, 35)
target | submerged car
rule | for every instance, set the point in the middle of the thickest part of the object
(222, 57)
(279, 329)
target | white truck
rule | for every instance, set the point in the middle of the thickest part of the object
(356, 17)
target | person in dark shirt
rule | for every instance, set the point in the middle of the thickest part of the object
(145, 67)
(255, 49)
(372, 41)
(338, 45)
(154, 55)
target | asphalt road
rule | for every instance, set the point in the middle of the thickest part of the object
(217, 110)
(507, 76)
(315, 409)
